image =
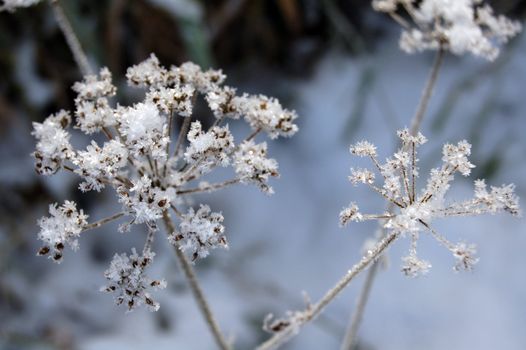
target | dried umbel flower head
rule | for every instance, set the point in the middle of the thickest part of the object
(459, 26)
(149, 169)
(62, 228)
(414, 211)
(200, 231)
(126, 278)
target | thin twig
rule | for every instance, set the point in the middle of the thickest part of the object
(107, 133)
(176, 211)
(416, 123)
(182, 134)
(400, 20)
(101, 222)
(350, 336)
(71, 38)
(313, 311)
(170, 119)
(209, 188)
(149, 240)
(252, 135)
(196, 290)
(426, 94)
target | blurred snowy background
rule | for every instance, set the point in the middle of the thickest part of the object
(338, 65)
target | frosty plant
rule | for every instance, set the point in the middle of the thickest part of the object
(457, 26)
(416, 209)
(153, 172)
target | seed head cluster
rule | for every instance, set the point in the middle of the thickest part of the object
(135, 152)
(415, 210)
(459, 26)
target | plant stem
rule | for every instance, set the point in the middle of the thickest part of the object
(182, 134)
(426, 93)
(71, 39)
(101, 222)
(416, 122)
(209, 188)
(312, 312)
(196, 289)
(350, 337)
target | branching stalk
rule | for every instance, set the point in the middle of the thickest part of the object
(313, 311)
(350, 337)
(196, 290)
(101, 222)
(182, 134)
(426, 94)
(209, 188)
(71, 38)
(356, 318)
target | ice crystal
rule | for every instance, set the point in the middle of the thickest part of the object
(459, 26)
(414, 211)
(149, 168)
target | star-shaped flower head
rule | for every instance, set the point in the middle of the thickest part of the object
(414, 211)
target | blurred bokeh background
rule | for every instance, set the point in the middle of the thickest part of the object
(337, 63)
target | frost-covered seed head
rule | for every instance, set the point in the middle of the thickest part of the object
(363, 176)
(460, 26)
(147, 73)
(144, 130)
(93, 87)
(151, 173)
(209, 148)
(415, 210)
(62, 227)
(253, 166)
(264, 113)
(98, 165)
(363, 149)
(465, 256)
(349, 214)
(128, 280)
(200, 231)
(53, 146)
(414, 267)
(221, 101)
(457, 157)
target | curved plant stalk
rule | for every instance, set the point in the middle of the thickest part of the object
(350, 336)
(356, 318)
(197, 291)
(71, 38)
(314, 310)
